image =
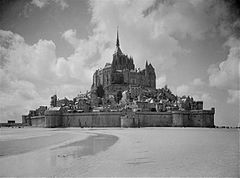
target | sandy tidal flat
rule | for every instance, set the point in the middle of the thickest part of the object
(119, 152)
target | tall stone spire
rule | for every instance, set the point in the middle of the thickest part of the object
(118, 50)
(117, 43)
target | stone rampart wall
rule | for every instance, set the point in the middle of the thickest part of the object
(38, 121)
(202, 118)
(53, 118)
(98, 119)
(154, 119)
(196, 118)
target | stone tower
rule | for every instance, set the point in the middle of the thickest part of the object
(150, 75)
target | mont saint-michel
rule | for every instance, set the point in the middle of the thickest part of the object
(119, 88)
(123, 95)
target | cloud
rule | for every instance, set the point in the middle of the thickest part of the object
(27, 70)
(150, 30)
(198, 82)
(141, 37)
(183, 90)
(198, 93)
(84, 56)
(62, 3)
(146, 34)
(30, 74)
(197, 17)
(40, 3)
(234, 96)
(226, 74)
(43, 3)
(208, 100)
(71, 37)
(161, 81)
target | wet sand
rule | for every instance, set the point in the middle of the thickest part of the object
(48, 154)
(12, 147)
(194, 152)
(90, 146)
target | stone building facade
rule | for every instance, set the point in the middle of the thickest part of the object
(121, 74)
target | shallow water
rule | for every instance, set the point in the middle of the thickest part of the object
(192, 152)
(90, 146)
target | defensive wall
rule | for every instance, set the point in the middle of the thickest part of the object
(95, 119)
(38, 121)
(194, 118)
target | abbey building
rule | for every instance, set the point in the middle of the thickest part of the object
(122, 74)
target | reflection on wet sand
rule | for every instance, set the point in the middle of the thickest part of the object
(43, 160)
(90, 146)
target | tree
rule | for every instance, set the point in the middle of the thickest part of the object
(100, 91)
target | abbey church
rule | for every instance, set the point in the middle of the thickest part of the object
(121, 74)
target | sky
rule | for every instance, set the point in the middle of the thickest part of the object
(52, 47)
